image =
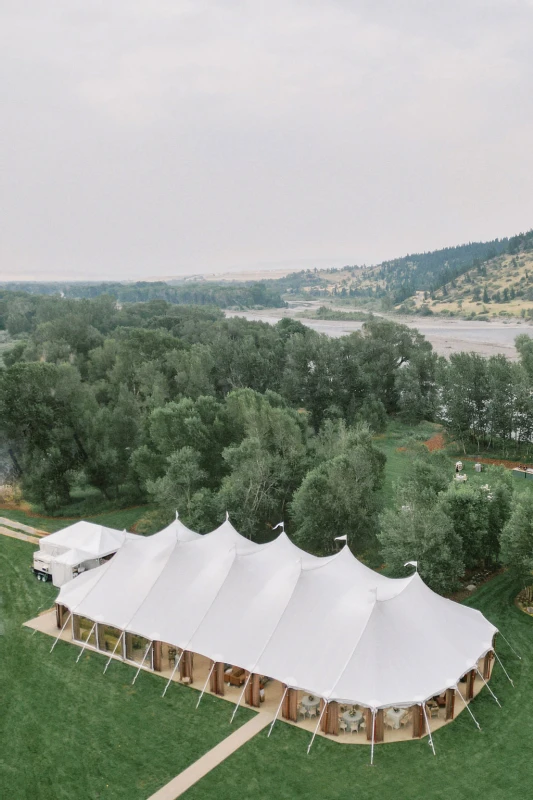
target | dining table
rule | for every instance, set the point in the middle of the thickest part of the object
(352, 718)
(394, 716)
(310, 701)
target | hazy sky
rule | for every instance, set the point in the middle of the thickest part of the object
(160, 137)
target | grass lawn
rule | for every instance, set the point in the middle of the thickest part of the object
(123, 518)
(495, 764)
(68, 732)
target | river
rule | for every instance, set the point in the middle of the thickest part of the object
(446, 335)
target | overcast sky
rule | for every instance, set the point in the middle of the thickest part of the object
(144, 138)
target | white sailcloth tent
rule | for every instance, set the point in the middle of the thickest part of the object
(79, 547)
(329, 626)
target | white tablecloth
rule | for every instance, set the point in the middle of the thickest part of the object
(395, 717)
(352, 719)
(309, 701)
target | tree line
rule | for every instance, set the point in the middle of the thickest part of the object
(185, 409)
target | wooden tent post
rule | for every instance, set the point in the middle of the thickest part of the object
(252, 696)
(289, 708)
(418, 722)
(217, 678)
(186, 664)
(157, 655)
(470, 681)
(450, 703)
(487, 663)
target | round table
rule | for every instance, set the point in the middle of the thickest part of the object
(394, 717)
(310, 701)
(352, 718)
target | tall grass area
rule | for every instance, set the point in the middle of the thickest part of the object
(68, 732)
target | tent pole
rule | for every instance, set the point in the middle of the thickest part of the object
(241, 696)
(509, 646)
(428, 729)
(468, 708)
(501, 665)
(142, 662)
(488, 687)
(86, 642)
(205, 684)
(277, 712)
(113, 653)
(176, 665)
(317, 726)
(60, 632)
(373, 734)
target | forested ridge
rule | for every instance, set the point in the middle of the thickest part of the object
(178, 406)
(251, 294)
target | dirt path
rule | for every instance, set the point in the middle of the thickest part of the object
(178, 785)
(17, 535)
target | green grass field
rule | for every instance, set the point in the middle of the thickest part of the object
(492, 765)
(68, 732)
(122, 518)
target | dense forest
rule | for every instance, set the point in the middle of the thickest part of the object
(223, 295)
(181, 407)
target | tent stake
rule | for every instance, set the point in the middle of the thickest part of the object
(509, 646)
(176, 665)
(86, 642)
(468, 708)
(277, 712)
(488, 687)
(205, 684)
(373, 733)
(428, 729)
(317, 726)
(60, 632)
(240, 697)
(142, 662)
(501, 665)
(113, 653)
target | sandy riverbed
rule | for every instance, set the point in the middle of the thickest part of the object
(446, 335)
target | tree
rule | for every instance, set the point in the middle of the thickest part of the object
(517, 539)
(486, 298)
(427, 536)
(183, 477)
(340, 497)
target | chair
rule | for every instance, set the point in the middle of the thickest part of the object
(302, 712)
(355, 727)
(312, 711)
(433, 712)
(342, 725)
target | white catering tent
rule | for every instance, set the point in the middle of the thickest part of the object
(77, 548)
(330, 626)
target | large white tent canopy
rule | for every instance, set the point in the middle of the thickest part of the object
(329, 626)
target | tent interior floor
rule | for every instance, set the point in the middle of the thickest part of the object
(46, 623)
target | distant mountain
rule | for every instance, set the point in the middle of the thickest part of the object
(418, 281)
